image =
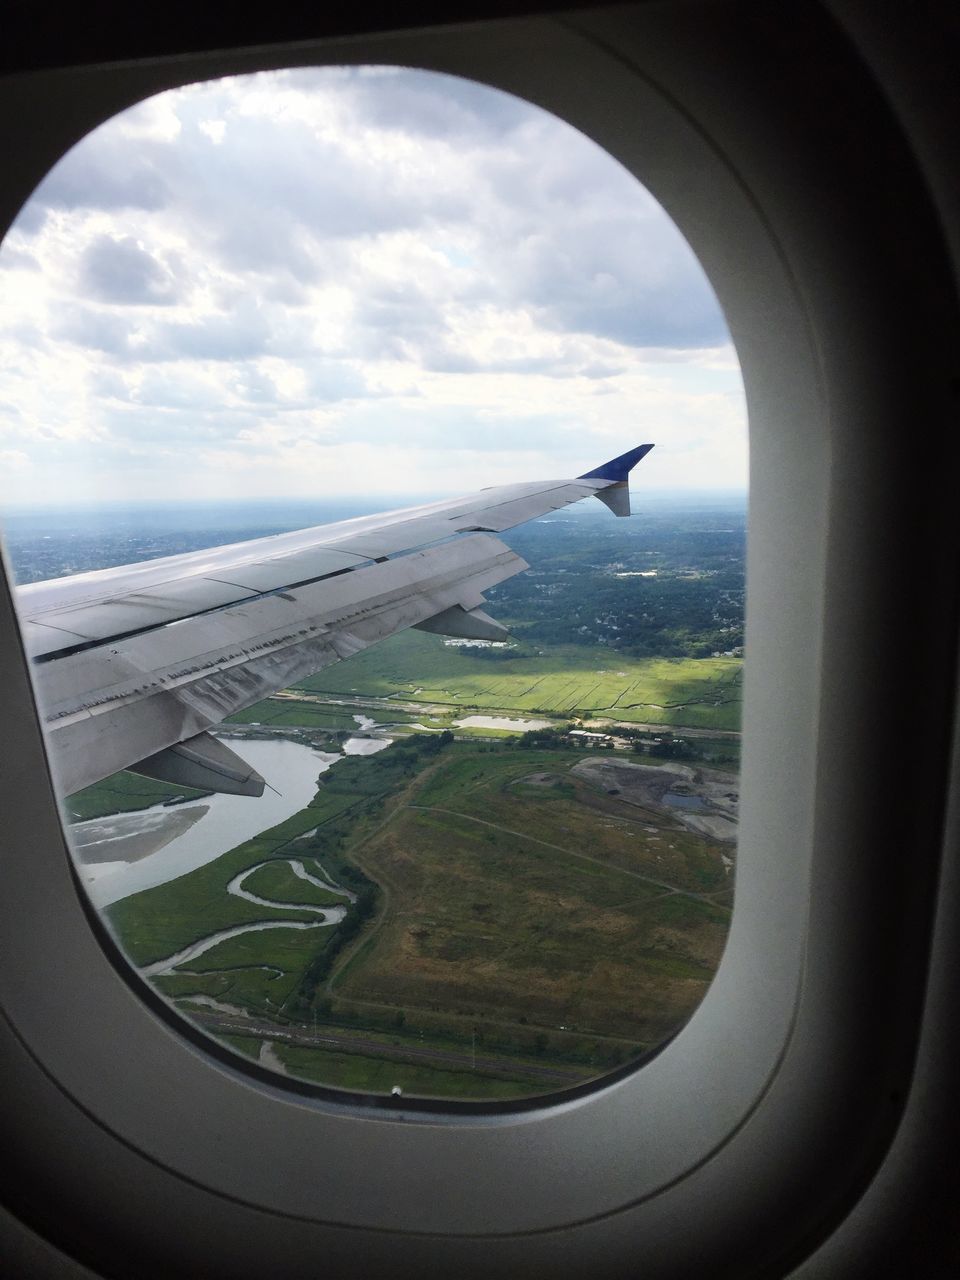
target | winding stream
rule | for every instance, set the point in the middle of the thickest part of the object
(327, 883)
(212, 940)
(328, 916)
(236, 888)
(165, 842)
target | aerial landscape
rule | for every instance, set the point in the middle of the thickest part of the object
(479, 869)
(493, 871)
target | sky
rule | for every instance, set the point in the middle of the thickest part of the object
(351, 281)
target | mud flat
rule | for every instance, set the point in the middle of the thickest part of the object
(166, 852)
(501, 722)
(705, 802)
(128, 837)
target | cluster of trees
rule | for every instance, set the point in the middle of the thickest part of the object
(410, 752)
(692, 608)
(543, 739)
(319, 968)
(495, 652)
(669, 748)
(667, 617)
(666, 747)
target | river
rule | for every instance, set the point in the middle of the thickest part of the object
(174, 840)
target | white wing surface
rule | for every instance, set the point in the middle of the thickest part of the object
(134, 665)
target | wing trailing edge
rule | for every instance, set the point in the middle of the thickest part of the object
(203, 762)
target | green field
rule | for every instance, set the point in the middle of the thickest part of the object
(563, 681)
(278, 881)
(522, 915)
(249, 1047)
(163, 920)
(364, 1074)
(524, 903)
(123, 793)
(160, 921)
(262, 970)
(377, 1075)
(284, 711)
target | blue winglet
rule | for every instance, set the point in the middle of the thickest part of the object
(618, 469)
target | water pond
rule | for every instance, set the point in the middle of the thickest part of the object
(678, 800)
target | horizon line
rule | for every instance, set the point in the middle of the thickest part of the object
(129, 504)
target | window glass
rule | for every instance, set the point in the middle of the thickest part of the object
(479, 869)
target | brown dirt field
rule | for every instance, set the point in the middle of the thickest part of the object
(487, 923)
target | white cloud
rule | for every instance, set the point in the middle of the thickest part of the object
(372, 280)
(118, 269)
(214, 129)
(14, 460)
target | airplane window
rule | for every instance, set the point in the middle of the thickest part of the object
(362, 797)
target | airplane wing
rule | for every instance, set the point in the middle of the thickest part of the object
(134, 665)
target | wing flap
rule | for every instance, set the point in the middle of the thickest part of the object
(203, 762)
(465, 625)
